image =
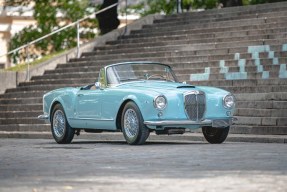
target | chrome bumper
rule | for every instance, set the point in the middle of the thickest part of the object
(206, 122)
(43, 117)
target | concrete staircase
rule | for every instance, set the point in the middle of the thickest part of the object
(241, 49)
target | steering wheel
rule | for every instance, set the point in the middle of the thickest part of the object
(156, 75)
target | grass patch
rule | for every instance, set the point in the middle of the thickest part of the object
(23, 66)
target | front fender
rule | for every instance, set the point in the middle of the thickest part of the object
(65, 97)
(144, 103)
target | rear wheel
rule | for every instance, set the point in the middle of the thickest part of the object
(62, 132)
(215, 135)
(134, 130)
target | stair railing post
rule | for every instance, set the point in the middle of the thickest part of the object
(28, 63)
(78, 39)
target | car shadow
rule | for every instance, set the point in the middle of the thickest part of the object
(147, 143)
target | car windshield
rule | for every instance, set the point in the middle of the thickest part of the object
(120, 73)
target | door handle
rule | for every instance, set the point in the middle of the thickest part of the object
(80, 95)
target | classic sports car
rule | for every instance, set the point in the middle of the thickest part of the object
(138, 98)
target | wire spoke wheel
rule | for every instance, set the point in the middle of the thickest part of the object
(131, 123)
(62, 132)
(133, 128)
(59, 123)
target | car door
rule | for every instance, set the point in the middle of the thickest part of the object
(88, 105)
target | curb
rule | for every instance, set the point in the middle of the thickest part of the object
(119, 137)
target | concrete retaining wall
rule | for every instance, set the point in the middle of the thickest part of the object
(12, 79)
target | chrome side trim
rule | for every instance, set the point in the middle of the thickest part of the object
(179, 122)
(91, 119)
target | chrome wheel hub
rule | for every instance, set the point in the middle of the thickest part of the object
(59, 123)
(131, 123)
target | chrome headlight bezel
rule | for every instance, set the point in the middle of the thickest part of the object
(160, 102)
(229, 101)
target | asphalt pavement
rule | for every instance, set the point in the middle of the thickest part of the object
(37, 165)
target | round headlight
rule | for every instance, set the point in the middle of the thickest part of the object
(229, 101)
(160, 102)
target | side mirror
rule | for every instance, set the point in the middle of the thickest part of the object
(98, 85)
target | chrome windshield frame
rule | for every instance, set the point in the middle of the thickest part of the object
(135, 63)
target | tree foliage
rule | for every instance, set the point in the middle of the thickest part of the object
(50, 16)
(159, 6)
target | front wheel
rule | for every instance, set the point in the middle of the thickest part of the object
(215, 135)
(62, 132)
(134, 130)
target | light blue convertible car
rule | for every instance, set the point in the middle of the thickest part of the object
(138, 98)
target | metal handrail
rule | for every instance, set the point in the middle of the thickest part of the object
(57, 31)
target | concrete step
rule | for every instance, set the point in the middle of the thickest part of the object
(177, 35)
(213, 53)
(66, 69)
(213, 70)
(76, 66)
(245, 9)
(21, 101)
(25, 94)
(217, 41)
(239, 10)
(26, 127)
(241, 82)
(24, 120)
(175, 59)
(40, 87)
(276, 96)
(45, 81)
(219, 18)
(196, 48)
(265, 33)
(236, 90)
(108, 52)
(258, 130)
(257, 89)
(74, 76)
(251, 112)
(204, 30)
(30, 107)
(184, 73)
(20, 114)
(274, 105)
(232, 23)
(261, 121)
(205, 17)
(216, 76)
(26, 135)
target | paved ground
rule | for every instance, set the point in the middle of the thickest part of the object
(86, 165)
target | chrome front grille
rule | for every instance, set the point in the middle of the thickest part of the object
(194, 102)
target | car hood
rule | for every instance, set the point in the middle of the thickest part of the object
(163, 87)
